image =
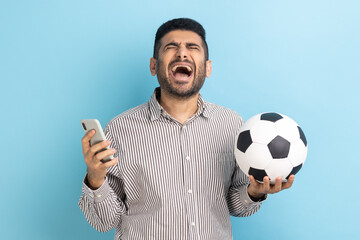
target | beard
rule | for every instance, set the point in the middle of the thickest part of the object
(181, 92)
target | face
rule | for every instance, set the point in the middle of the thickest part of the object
(181, 67)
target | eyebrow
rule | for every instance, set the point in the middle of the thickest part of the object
(177, 44)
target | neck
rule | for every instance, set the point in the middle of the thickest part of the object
(179, 109)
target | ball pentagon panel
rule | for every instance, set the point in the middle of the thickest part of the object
(279, 147)
(271, 116)
(258, 174)
(244, 141)
(294, 171)
(302, 136)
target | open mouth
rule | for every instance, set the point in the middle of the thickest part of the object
(181, 72)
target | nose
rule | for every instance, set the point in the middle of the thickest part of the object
(182, 52)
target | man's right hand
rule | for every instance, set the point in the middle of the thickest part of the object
(96, 170)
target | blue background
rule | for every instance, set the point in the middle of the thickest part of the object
(62, 61)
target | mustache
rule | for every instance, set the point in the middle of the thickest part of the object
(178, 60)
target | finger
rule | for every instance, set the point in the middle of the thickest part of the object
(289, 183)
(111, 163)
(266, 184)
(253, 181)
(278, 185)
(97, 147)
(89, 156)
(101, 155)
(85, 141)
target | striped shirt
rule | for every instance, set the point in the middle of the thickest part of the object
(173, 180)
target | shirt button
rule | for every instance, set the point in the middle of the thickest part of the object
(99, 195)
(190, 191)
(246, 201)
(91, 195)
(193, 224)
(187, 158)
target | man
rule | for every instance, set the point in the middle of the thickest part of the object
(174, 175)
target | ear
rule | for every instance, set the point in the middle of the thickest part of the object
(153, 62)
(208, 68)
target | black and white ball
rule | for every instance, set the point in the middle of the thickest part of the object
(270, 144)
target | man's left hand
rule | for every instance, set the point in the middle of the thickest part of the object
(257, 190)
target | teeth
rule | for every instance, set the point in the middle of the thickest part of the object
(176, 66)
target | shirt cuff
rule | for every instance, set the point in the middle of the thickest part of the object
(99, 194)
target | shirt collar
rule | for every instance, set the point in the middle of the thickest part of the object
(156, 110)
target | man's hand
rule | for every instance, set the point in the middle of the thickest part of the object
(258, 190)
(96, 170)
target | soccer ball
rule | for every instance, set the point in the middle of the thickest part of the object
(270, 144)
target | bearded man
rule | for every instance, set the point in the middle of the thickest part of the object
(174, 174)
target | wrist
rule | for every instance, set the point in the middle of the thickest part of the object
(92, 183)
(260, 199)
(255, 195)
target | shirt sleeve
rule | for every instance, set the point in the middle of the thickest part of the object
(239, 202)
(104, 206)
(238, 199)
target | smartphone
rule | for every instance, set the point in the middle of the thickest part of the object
(90, 124)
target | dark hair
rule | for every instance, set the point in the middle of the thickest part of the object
(180, 24)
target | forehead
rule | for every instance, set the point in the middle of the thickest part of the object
(181, 36)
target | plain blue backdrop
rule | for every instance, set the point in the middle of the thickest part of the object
(62, 61)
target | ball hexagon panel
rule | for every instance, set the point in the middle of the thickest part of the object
(298, 152)
(258, 155)
(287, 128)
(263, 132)
(278, 168)
(249, 123)
(279, 147)
(242, 161)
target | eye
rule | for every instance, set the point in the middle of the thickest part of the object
(194, 47)
(170, 47)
